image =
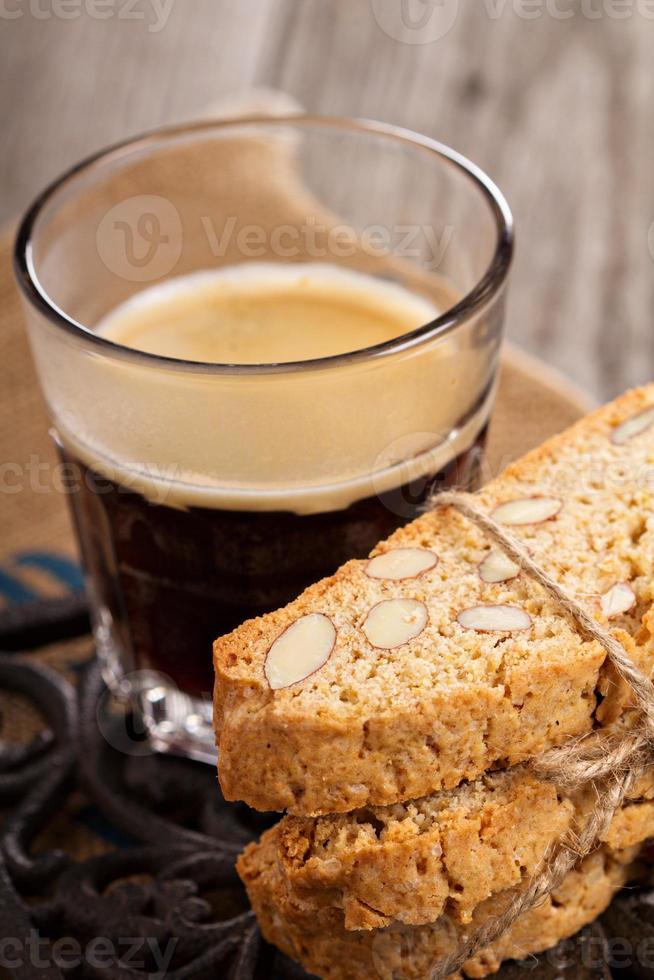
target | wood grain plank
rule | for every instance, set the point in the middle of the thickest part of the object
(557, 110)
(68, 88)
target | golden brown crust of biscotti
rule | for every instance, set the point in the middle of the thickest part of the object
(325, 948)
(379, 726)
(412, 862)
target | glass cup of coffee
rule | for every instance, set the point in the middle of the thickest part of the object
(263, 344)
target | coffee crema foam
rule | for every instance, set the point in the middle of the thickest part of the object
(266, 313)
(304, 441)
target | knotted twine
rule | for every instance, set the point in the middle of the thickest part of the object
(613, 762)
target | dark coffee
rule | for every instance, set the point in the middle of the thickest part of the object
(168, 581)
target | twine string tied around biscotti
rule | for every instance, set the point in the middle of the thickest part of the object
(613, 762)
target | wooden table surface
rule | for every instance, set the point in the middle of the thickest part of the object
(552, 97)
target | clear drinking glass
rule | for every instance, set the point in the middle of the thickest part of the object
(204, 494)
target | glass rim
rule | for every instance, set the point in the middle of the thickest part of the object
(474, 300)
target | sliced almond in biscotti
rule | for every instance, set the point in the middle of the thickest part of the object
(633, 426)
(401, 563)
(394, 622)
(620, 598)
(494, 619)
(527, 510)
(443, 701)
(302, 649)
(497, 567)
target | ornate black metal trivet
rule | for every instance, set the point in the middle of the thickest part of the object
(164, 898)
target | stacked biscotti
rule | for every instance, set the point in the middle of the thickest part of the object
(393, 708)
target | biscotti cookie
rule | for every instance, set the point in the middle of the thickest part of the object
(322, 945)
(411, 862)
(436, 661)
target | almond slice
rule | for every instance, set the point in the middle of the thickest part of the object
(393, 622)
(498, 567)
(527, 510)
(303, 648)
(633, 427)
(492, 619)
(618, 599)
(401, 563)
